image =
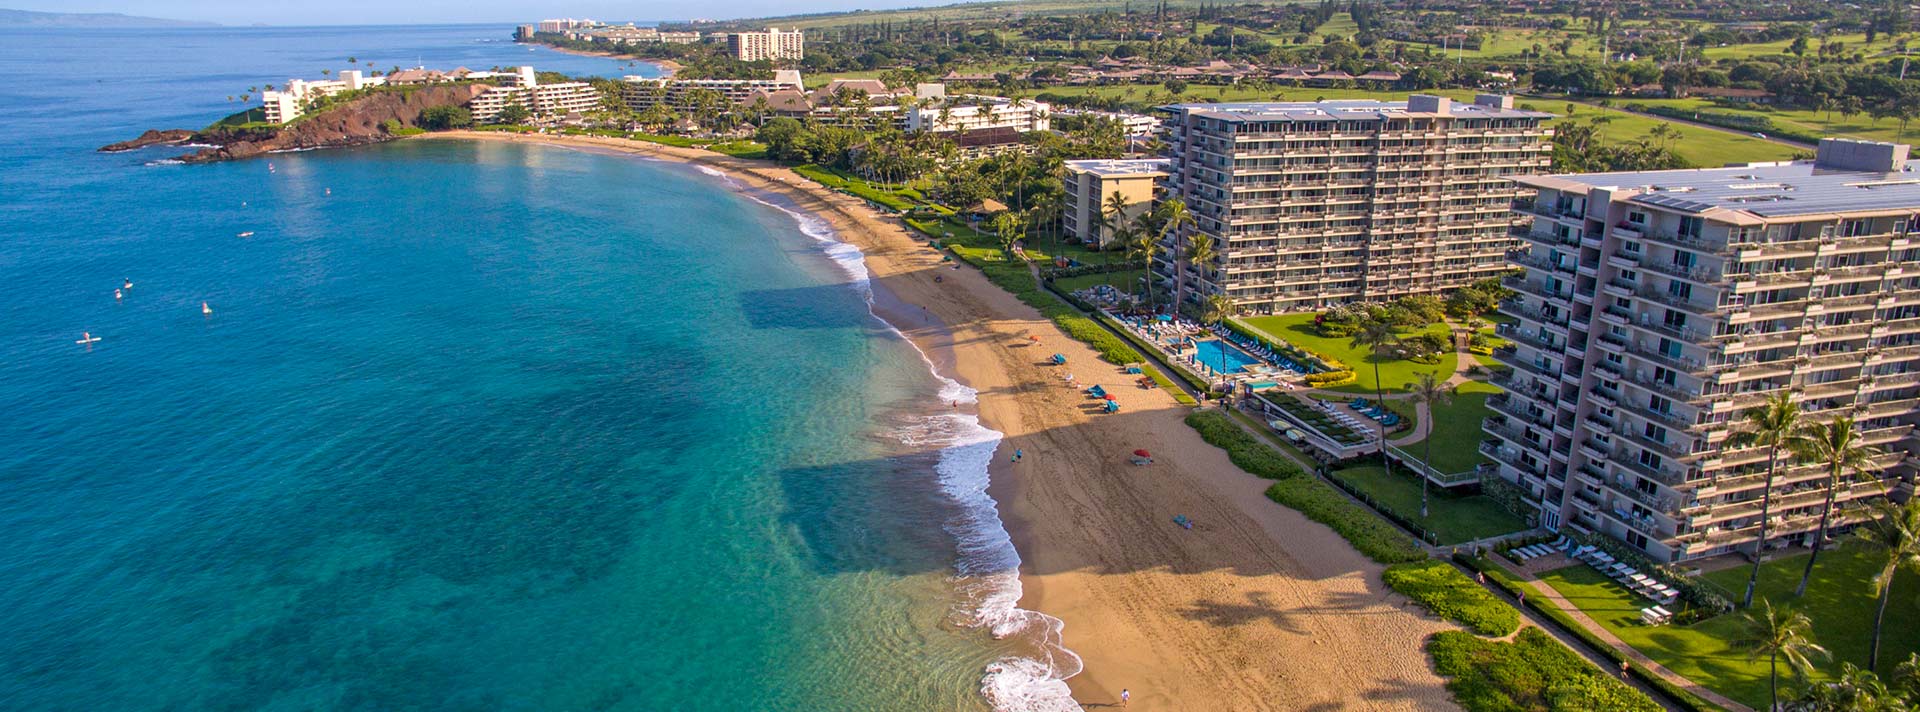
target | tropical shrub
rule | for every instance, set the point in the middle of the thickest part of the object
(1441, 589)
(1372, 535)
(1246, 453)
(1534, 672)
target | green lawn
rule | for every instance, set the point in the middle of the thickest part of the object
(1856, 42)
(1809, 121)
(1453, 519)
(1456, 429)
(1839, 601)
(1703, 147)
(1298, 330)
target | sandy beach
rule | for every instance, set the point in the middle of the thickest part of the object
(667, 66)
(1255, 608)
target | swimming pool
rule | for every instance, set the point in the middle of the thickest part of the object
(1221, 356)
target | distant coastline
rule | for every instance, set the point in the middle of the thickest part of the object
(29, 18)
(667, 66)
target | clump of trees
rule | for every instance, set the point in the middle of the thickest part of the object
(442, 118)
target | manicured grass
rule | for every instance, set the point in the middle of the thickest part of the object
(1702, 147)
(1805, 121)
(892, 197)
(1856, 42)
(1298, 330)
(1534, 672)
(1456, 429)
(1441, 589)
(1453, 519)
(1839, 601)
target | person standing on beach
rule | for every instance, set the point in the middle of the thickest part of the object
(1125, 696)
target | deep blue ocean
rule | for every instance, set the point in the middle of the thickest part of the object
(469, 426)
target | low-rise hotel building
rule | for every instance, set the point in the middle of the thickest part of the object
(1312, 204)
(525, 89)
(1090, 184)
(770, 45)
(972, 112)
(1656, 308)
(291, 101)
(641, 93)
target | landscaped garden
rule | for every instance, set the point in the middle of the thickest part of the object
(1452, 518)
(1320, 421)
(1299, 330)
(1840, 602)
(1455, 430)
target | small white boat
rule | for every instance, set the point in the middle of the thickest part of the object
(248, 233)
(87, 338)
(204, 309)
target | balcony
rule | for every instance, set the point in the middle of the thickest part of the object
(1626, 460)
(1683, 364)
(1511, 357)
(1500, 403)
(1690, 242)
(1691, 273)
(1681, 303)
(1534, 287)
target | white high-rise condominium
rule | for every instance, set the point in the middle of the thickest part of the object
(1316, 203)
(1656, 308)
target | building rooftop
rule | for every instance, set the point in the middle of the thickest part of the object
(1778, 190)
(1361, 109)
(1122, 167)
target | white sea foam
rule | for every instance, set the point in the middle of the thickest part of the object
(987, 578)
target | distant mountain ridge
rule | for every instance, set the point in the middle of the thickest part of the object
(29, 18)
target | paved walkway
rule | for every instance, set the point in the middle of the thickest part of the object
(1422, 415)
(1641, 661)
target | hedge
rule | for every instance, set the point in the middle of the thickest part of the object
(1514, 587)
(1245, 452)
(1534, 672)
(1441, 589)
(1331, 379)
(1372, 535)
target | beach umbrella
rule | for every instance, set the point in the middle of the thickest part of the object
(1141, 453)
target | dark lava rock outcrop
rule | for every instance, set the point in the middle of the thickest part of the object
(357, 122)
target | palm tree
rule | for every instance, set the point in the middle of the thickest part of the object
(1428, 391)
(1114, 213)
(1837, 444)
(1144, 247)
(1894, 532)
(1377, 337)
(1778, 633)
(1171, 216)
(1776, 426)
(1200, 254)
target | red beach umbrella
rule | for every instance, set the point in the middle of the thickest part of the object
(1142, 453)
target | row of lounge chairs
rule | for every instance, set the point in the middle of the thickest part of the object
(1377, 413)
(1253, 346)
(1352, 423)
(1630, 577)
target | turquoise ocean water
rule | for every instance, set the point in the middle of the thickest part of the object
(470, 426)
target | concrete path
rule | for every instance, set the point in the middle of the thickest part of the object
(1641, 661)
